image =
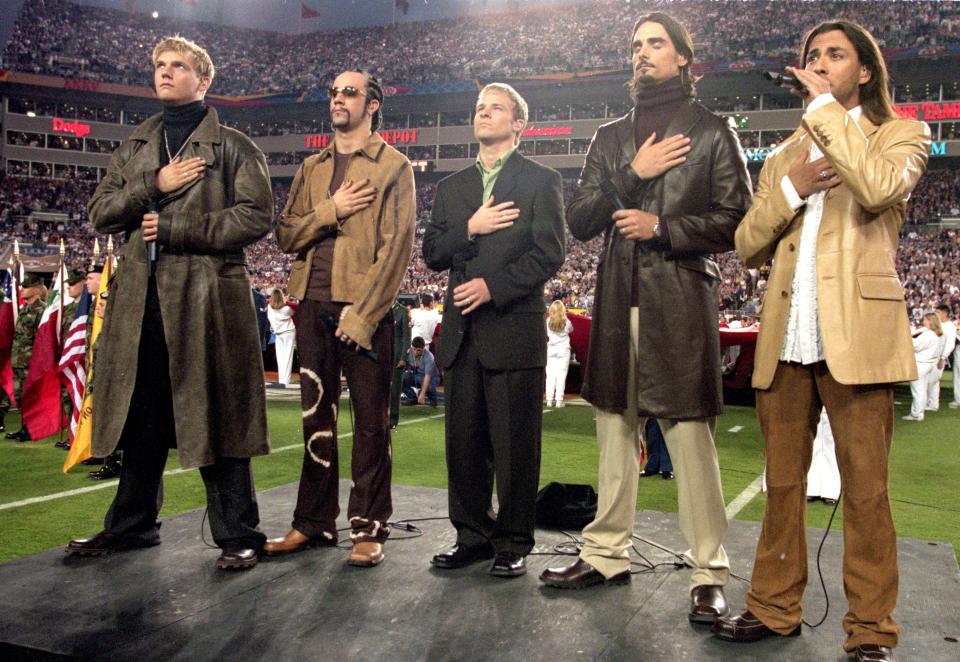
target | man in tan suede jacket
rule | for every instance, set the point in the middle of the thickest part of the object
(350, 220)
(834, 332)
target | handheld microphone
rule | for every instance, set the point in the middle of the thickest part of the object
(151, 245)
(783, 80)
(610, 193)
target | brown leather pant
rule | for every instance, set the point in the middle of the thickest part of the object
(861, 417)
(322, 358)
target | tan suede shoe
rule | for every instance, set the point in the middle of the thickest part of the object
(366, 554)
(294, 541)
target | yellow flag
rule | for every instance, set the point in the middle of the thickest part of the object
(83, 440)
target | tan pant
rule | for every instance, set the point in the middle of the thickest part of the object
(861, 418)
(703, 519)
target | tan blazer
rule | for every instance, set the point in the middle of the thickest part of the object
(863, 320)
(373, 245)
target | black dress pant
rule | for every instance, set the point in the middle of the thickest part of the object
(147, 437)
(493, 422)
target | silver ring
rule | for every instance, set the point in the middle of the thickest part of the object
(824, 175)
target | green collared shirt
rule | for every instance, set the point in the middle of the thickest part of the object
(489, 177)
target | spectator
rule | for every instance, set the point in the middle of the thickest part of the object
(421, 376)
(558, 352)
(926, 346)
(284, 332)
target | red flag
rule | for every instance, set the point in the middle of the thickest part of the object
(308, 12)
(40, 407)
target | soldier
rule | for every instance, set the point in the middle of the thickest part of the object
(31, 290)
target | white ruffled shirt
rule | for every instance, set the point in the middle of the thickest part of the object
(802, 342)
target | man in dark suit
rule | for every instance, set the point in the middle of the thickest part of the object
(498, 227)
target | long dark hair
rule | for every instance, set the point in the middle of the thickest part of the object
(681, 41)
(875, 93)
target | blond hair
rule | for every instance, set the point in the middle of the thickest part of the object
(201, 59)
(935, 324)
(557, 316)
(520, 110)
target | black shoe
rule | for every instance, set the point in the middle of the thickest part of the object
(64, 444)
(109, 470)
(460, 556)
(20, 435)
(105, 543)
(238, 558)
(667, 475)
(508, 564)
(646, 473)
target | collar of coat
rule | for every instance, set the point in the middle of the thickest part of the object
(687, 115)
(371, 150)
(800, 138)
(208, 131)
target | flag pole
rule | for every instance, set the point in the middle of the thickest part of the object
(60, 273)
(16, 279)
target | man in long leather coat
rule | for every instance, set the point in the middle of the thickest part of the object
(679, 171)
(179, 359)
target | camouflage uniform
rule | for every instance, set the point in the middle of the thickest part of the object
(22, 349)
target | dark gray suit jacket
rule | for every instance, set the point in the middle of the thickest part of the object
(515, 262)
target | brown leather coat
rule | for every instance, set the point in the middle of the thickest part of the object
(700, 203)
(209, 321)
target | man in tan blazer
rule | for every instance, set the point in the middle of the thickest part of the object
(834, 331)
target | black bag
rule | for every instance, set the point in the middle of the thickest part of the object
(566, 506)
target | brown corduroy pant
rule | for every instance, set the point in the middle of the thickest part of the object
(861, 417)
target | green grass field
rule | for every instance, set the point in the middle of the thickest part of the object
(925, 469)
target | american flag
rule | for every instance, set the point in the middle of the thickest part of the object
(72, 366)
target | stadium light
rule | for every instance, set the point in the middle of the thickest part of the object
(154, 14)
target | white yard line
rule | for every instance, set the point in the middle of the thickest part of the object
(735, 428)
(171, 472)
(738, 504)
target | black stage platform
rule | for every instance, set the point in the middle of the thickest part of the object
(169, 602)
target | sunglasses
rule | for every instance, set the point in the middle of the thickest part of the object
(349, 91)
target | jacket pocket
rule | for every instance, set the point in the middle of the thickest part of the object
(704, 265)
(880, 286)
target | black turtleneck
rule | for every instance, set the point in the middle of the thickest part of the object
(657, 103)
(178, 123)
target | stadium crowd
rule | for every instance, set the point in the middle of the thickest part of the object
(929, 264)
(108, 45)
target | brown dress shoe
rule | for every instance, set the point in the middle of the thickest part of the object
(294, 541)
(746, 628)
(366, 554)
(873, 653)
(707, 604)
(580, 575)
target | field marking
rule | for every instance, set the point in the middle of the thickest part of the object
(170, 472)
(738, 504)
(735, 428)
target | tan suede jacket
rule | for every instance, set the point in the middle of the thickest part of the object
(863, 319)
(373, 245)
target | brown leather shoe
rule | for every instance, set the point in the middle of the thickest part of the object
(294, 541)
(707, 604)
(580, 575)
(746, 628)
(366, 554)
(873, 653)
